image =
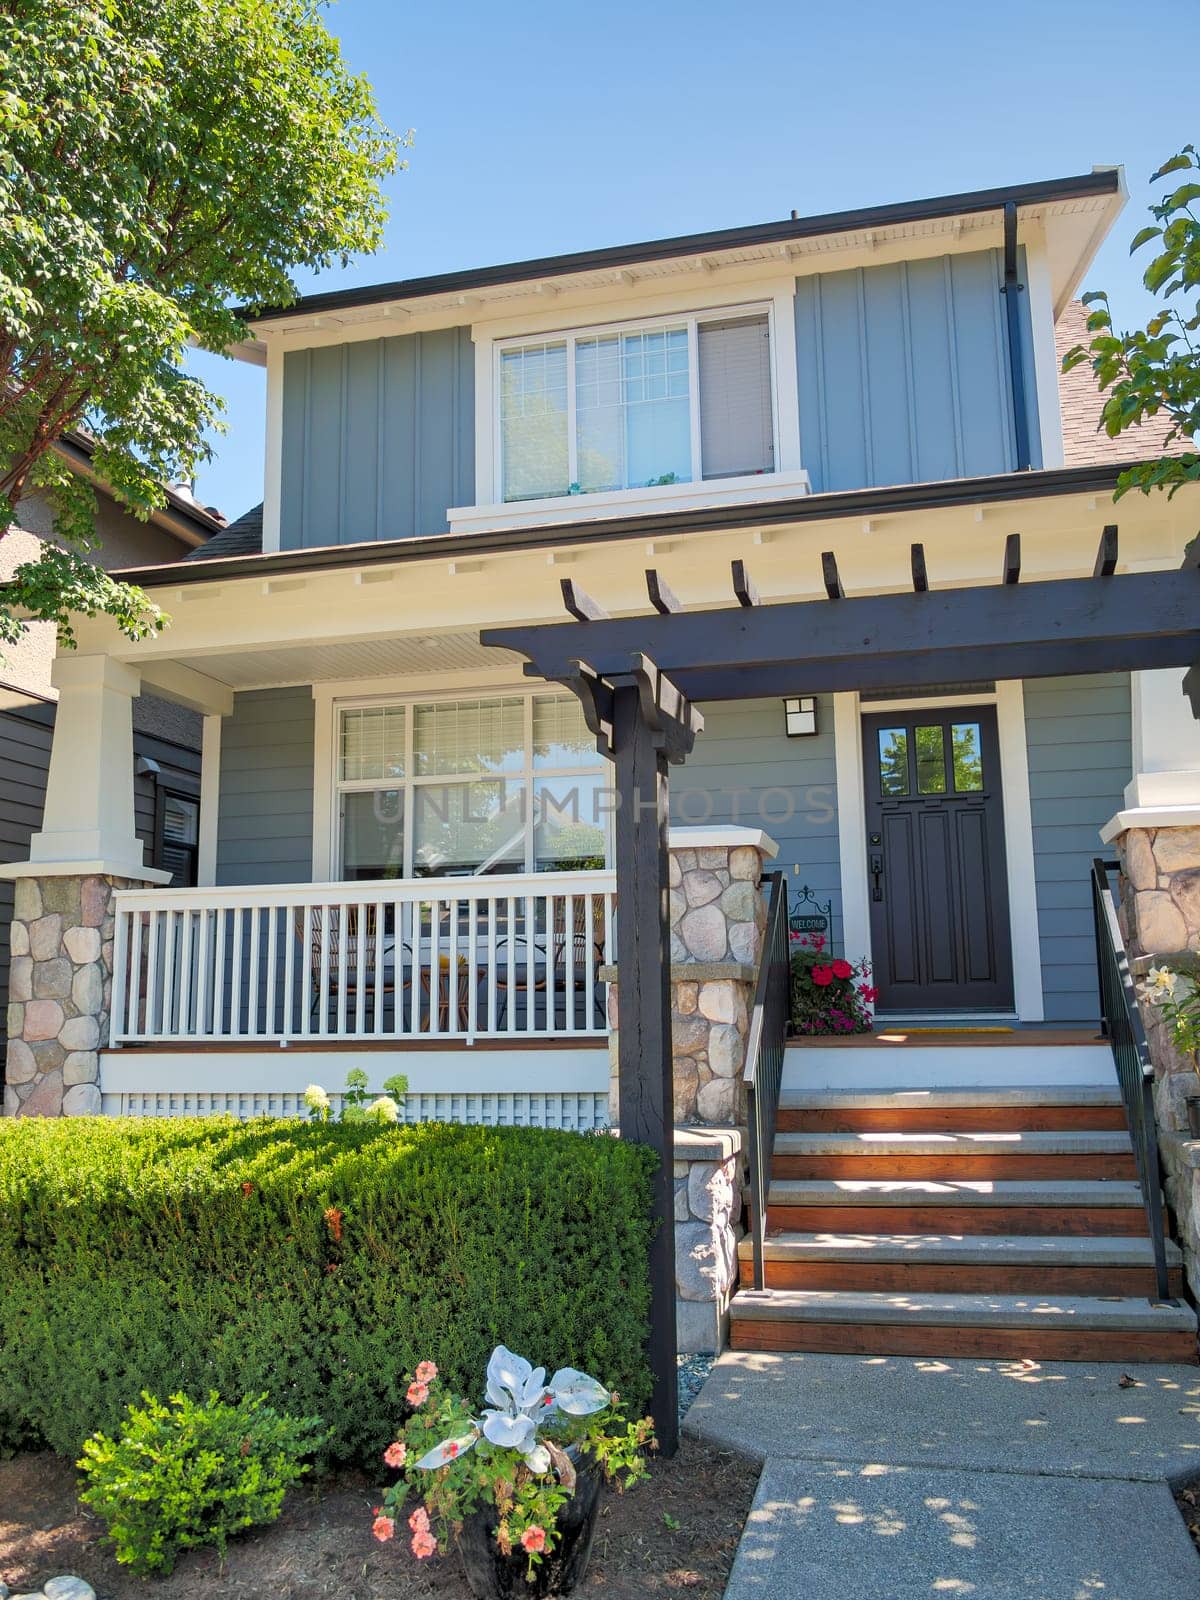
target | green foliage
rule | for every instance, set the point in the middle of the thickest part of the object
(1156, 368)
(157, 164)
(311, 1262)
(191, 1474)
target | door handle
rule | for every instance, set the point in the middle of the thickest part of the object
(877, 877)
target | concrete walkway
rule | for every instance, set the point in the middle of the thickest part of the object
(893, 1478)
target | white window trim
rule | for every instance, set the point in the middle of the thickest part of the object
(1009, 701)
(776, 302)
(328, 787)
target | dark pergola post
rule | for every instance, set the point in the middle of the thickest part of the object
(644, 1071)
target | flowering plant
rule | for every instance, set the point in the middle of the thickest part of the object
(357, 1106)
(1178, 997)
(829, 995)
(519, 1458)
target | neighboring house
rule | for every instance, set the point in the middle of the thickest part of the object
(166, 737)
(440, 453)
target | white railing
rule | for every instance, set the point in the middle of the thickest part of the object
(450, 958)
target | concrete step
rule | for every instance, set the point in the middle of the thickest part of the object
(962, 1264)
(1059, 1327)
(1024, 1108)
(916, 1205)
(959, 1153)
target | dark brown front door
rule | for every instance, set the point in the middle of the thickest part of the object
(935, 860)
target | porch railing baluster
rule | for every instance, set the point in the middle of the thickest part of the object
(515, 955)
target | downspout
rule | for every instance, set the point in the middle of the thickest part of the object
(1011, 289)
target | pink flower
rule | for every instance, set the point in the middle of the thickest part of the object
(419, 1521)
(384, 1529)
(395, 1453)
(423, 1545)
(822, 977)
(534, 1539)
(818, 941)
(427, 1372)
(842, 969)
(417, 1394)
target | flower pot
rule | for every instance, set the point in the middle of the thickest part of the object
(492, 1575)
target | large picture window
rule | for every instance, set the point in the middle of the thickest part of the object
(636, 406)
(443, 788)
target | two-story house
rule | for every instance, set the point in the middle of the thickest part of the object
(405, 854)
(440, 453)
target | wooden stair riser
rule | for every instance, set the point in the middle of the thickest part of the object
(948, 1278)
(945, 1219)
(952, 1119)
(929, 1339)
(992, 1164)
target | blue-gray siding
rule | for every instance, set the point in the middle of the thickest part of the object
(904, 373)
(264, 827)
(746, 770)
(1077, 732)
(378, 438)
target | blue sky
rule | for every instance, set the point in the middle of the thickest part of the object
(543, 128)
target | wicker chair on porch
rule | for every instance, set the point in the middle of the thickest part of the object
(325, 954)
(579, 948)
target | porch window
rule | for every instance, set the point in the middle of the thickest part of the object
(443, 788)
(638, 406)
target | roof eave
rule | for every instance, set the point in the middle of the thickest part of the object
(1092, 478)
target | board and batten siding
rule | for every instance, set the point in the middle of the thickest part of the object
(378, 438)
(745, 770)
(1078, 738)
(265, 813)
(904, 375)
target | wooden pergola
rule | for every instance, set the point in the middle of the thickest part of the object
(638, 679)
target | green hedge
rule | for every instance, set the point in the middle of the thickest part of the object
(315, 1263)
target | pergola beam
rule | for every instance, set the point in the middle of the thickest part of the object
(1130, 621)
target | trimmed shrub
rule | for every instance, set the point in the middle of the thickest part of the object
(192, 1473)
(311, 1263)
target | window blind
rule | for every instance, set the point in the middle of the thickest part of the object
(735, 397)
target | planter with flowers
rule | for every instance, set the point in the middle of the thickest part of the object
(517, 1487)
(829, 995)
(1177, 994)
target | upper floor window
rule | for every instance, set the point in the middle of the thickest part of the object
(636, 406)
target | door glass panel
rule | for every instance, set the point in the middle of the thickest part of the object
(968, 757)
(893, 762)
(931, 760)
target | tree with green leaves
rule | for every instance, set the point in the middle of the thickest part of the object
(160, 165)
(1157, 368)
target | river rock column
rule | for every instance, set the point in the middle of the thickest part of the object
(60, 993)
(1160, 920)
(717, 919)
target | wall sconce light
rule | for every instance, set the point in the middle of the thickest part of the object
(800, 716)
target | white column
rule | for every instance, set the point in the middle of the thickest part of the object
(88, 821)
(1166, 742)
(210, 800)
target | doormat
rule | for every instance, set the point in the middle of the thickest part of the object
(964, 1029)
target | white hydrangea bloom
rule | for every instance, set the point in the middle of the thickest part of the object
(315, 1098)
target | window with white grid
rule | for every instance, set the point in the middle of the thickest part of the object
(500, 783)
(671, 401)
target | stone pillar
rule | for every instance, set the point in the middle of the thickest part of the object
(60, 980)
(718, 916)
(1160, 920)
(708, 1205)
(59, 994)
(1159, 851)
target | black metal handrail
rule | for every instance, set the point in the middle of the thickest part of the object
(1121, 1024)
(764, 1059)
